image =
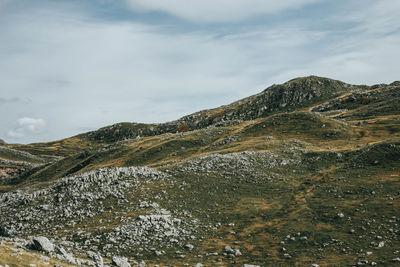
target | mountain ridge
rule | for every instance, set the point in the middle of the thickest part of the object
(275, 98)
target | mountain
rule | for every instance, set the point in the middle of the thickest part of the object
(305, 172)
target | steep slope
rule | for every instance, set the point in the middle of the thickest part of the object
(307, 172)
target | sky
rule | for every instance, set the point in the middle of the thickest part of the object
(68, 67)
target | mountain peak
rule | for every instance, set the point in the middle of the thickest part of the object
(295, 94)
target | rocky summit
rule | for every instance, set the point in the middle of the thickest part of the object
(305, 173)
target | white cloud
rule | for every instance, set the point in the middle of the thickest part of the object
(26, 127)
(216, 10)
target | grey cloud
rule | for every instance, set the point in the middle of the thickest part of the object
(25, 127)
(9, 100)
(216, 10)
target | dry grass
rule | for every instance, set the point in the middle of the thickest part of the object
(19, 257)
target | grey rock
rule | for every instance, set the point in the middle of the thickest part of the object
(199, 265)
(158, 253)
(189, 246)
(64, 255)
(97, 258)
(120, 262)
(287, 255)
(229, 250)
(3, 231)
(250, 265)
(238, 253)
(41, 243)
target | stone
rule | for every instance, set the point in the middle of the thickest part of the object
(97, 258)
(189, 246)
(238, 253)
(65, 255)
(199, 265)
(158, 253)
(229, 250)
(250, 265)
(287, 256)
(314, 265)
(3, 231)
(41, 243)
(120, 261)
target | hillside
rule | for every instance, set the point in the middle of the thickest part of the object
(305, 172)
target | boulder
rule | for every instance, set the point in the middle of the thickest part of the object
(64, 255)
(41, 243)
(238, 253)
(189, 246)
(96, 257)
(229, 250)
(120, 262)
(4, 231)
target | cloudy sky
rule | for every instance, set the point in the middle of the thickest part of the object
(67, 67)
